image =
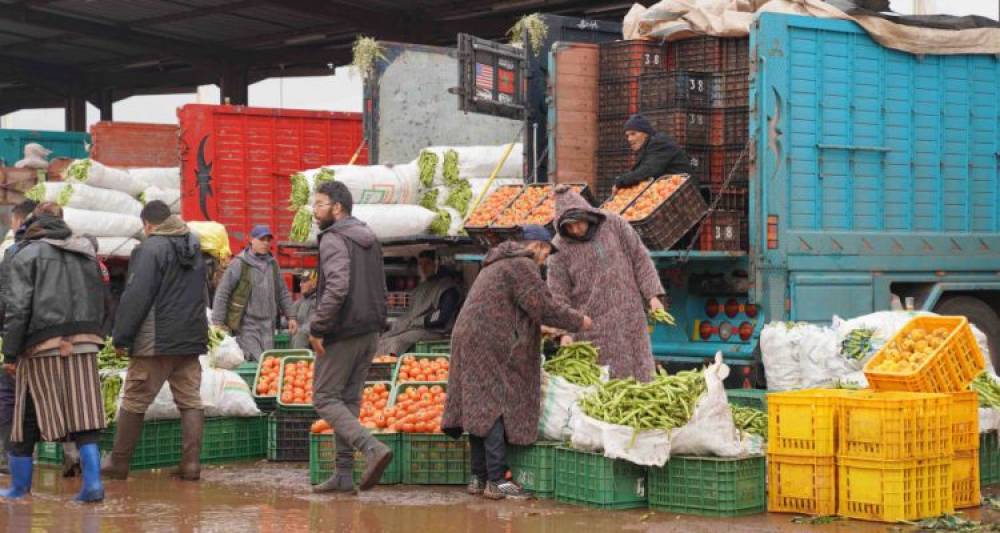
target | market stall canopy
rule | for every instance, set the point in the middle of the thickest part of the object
(105, 50)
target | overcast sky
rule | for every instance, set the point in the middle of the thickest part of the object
(341, 92)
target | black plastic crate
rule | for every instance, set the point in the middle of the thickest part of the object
(629, 59)
(729, 126)
(683, 125)
(667, 90)
(611, 133)
(716, 163)
(673, 218)
(736, 53)
(288, 435)
(732, 198)
(610, 165)
(722, 231)
(618, 97)
(728, 89)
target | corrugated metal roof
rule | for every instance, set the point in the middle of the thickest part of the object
(217, 28)
(9, 26)
(278, 15)
(116, 10)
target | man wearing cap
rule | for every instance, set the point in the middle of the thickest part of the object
(434, 306)
(495, 374)
(656, 153)
(250, 296)
(303, 308)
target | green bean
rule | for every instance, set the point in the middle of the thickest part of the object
(750, 420)
(576, 363)
(987, 389)
(665, 402)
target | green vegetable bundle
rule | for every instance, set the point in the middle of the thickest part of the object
(662, 317)
(300, 191)
(666, 402)
(324, 175)
(441, 223)
(449, 168)
(111, 386)
(215, 337)
(427, 164)
(36, 193)
(576, 363)
(301, 224)
(750, 420)
(857, 344)
(429, 199)
(78, 170)
(107, 358)
(459, 197)
(65, 194)
(988, 390)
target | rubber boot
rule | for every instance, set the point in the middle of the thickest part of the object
(128, 428)
(377, 459)
(20, 477)
(342, 480)
(192, 423)
(90, 466)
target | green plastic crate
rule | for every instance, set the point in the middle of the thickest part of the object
(438, 347)
(431, 459)
(323, 458)
(233, 439)
(989, 458)
(49, 453)
(594, 480)
(710, 486)
(756, 398)
(270, 403)
(534, 467)
(301, 407)
(288, 435)
(248, 371)
(282, 340)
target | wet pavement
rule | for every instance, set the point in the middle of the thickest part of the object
(266, 497)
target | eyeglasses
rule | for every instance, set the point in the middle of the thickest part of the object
(321, 205)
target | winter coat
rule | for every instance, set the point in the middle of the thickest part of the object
(302, 311)
(660, 156)
(610, 278)
(162, 309)
(54, 288)
(495, 359)
(350, 292)
(268, 294)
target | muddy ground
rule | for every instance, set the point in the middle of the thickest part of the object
(265, 497)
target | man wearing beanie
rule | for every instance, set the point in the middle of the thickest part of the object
(657, 154)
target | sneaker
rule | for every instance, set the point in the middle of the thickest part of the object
(504, 489)
(476, 486)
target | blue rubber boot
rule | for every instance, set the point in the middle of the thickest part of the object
(90, 466)
(20, 477)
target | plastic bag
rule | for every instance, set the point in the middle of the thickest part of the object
(232, 394)
(171, 197)
(649, 447)
(102, 224)
(113, 178)
(711, 430)
(162, 177)
(779, 351)
(227, 355)
(93, 198)
(558, 398)
(820, 361)
(213, 238)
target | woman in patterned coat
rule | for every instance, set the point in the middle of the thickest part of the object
(495, 376)
(604, 270)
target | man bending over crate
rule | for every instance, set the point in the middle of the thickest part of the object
(350, 314)
(656, 153)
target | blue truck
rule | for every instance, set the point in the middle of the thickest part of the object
(71, 144)
(873, 181)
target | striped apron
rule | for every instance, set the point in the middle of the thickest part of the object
(66, 391)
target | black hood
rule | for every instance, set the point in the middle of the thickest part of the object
(47, 227)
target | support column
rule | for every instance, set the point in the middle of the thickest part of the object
(235, 85)
(76, 112)
(105, 103)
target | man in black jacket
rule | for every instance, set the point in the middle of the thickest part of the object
(161, 322)
(657, 154)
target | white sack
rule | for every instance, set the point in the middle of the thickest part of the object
(171, 197)
(112, 178)
(989, 420)
(779, 351)
(227, 355)
(558, 398)
(93, 198)
(389, 221)
(162, 177)
(99, 224)
(711, 430)
(116, 246)
(648, 447)
(480, 161)
(374, 184)
(820, 361)
(232, 394)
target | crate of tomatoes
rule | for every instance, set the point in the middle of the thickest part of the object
(428, 457)
(382, 368)
(422, 368)
(267, 381)
(479, 221)
(296, 379)
(665, 210)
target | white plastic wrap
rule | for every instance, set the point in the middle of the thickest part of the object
(480, 161)
(649, 447)
(171, 197)
(112, 178)
(711, 430)
(116, 246)
(162, 177)
(389, 221)
(374, 184)
(93, 198)
(101, 224)
(227, 355)
(779, 351)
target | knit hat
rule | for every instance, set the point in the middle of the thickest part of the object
(639, 123)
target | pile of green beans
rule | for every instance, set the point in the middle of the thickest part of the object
(576, 363)
(663, 317)
(750, 420)
(988, 390)
(666, 402)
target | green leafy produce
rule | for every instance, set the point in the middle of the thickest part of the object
(666, 402)
(427, 164)
(78, 170)
(111, 386)
(301, 224)
(459, 197)
(536, 29)
(429, 199)
(954, 523)
(107, 358)
(441, 223)
(576, 363)
(857, 344)
(750, 420)
(662, 317)
(988, 390)
(142, 198)
(36, 193)
(65, 194)
(449, 168)
(816, 520)
(300, 191)
(215, 337)
(324, 175)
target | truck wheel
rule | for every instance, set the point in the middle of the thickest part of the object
(978, 313)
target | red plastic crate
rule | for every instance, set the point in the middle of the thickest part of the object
(135, 144)
(629, 59)
(708, 54)
(618, 97)
(729, 126)
(684, 125)
(249, 153)
(713, 164)
(729, 89)
(722, 231)
(667, 90)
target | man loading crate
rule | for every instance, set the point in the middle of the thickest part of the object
(656, 153)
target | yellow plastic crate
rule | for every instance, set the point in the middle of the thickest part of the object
(950, 368)
(894, 425)
(890, 491)
(803, 485)
(964, 421)
(804, 422)
(965, 479)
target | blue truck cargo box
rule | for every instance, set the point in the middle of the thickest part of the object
(71, 144)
